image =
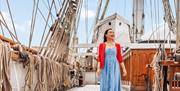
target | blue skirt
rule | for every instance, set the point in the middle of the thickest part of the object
(110, 78)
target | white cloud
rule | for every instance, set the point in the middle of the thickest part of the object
(90, 13)
(29, 23)
(23, 27)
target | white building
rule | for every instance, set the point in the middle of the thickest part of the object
(117, 23)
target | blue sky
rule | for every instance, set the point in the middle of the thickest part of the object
(22, 13)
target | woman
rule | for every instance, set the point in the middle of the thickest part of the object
(109, 63)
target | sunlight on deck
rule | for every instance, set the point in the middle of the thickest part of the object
(87, 88)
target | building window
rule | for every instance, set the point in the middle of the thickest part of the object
(110, 23)
(119, 23)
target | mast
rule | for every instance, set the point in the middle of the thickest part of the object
(104, 11)
(138, 19)
(96, 19)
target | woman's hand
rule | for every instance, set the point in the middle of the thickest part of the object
(124, 72)
(98, 72)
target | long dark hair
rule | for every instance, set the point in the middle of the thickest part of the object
(105, 39)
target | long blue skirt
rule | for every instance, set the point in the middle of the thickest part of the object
(110, 78)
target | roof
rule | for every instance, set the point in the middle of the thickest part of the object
(110, 18)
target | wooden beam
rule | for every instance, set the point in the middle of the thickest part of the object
(12, 43)
(7, 40)
(85, 45)
(84, 54)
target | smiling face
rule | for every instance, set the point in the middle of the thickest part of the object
(110, 35)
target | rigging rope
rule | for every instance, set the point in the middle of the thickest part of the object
(55, 7)
(56, 45)
(158, 18)
(86, 19)
(96, 20)
(6, 26)
(2, 29)
(51, 46)
(12, 21)
(5, 84)
(60, 2)
(60, 17)
(51, 15)
(136, 27)
(62, 6)
(8, 30)
(47, 67)
(43, 16)
(53, 29)
(75, 25)
(105, 8)
(47, 7)
(156, 67)
(151, 20)
(78, 18)
(157, 29)
(46, 24)
(33, 20)
(50, 74)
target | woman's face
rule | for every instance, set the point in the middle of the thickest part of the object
(110, 35)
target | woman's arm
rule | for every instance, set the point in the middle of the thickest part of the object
(98, 66)
(123, 69)
(99, 61)
(98, 69)
(120, 58)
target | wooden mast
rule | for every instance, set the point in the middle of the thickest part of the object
(138, 20)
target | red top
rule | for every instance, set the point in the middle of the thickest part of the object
(101, 54)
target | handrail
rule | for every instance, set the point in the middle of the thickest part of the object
(12, 43)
